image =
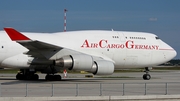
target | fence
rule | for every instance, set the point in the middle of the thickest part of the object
(88, 89)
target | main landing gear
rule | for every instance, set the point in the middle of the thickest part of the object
(146, 76)
(53, 77)
(26, 74)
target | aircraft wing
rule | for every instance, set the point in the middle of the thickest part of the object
(62, 57)
(36, 48)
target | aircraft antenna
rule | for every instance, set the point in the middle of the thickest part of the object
(65, 10)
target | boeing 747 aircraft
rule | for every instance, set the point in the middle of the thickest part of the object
(96, 51)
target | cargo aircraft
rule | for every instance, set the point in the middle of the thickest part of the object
(98, 52)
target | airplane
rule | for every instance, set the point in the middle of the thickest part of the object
(99, 52)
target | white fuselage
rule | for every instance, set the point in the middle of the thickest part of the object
(124, 49)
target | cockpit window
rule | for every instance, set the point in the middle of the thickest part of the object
(157, 38)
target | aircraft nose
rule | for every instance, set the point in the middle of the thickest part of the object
(174, 53)
(171, 53)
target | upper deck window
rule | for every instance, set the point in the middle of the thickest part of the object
(141, 38)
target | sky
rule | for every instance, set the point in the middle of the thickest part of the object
(161, 17)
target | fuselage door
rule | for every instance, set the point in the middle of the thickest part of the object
(121, 37)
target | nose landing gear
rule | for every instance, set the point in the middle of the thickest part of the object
(146, 76)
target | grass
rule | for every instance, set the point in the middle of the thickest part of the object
(114, 77)
(9, 71)
(128, 70)
(167, 68)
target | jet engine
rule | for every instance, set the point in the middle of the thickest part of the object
(86, 63)
(102, 67)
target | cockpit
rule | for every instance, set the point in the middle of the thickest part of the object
(157, 38)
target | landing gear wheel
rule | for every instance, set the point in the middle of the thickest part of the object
(53, 77)
(25, 74)
(48, 77)
(57, 77)
(35, 77)
(20, 76)
(146, 77)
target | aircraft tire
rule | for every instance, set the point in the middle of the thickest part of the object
(47, 77)
(146, 77)
(35, 77)
(57, 77)
(20, 76)
(53, 77)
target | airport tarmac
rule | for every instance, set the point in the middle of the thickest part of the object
(121, 77)
(118, 84)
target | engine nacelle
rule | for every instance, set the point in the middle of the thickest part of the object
(102, 67)
(76, 62)
(86, 63)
